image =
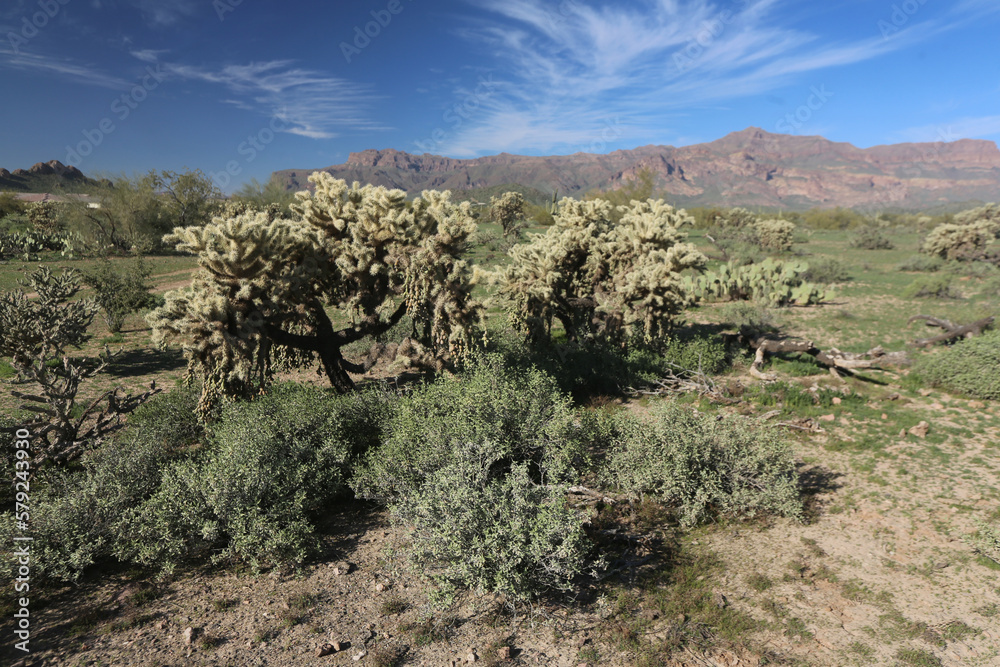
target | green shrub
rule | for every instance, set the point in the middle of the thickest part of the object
(270, 465)
(870, 238)
(704, 466)
(245, 488)
(503, 534)
(825, 271)
(938, 287)
(747, 315)
(120, 291)
(473, 465)
(922, 263)
(987, 541)
(970, 366)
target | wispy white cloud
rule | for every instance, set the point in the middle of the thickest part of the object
(570, 66)
(74, 71)
(314, 104)
(163, 13)
(967, 127)
(148, 55)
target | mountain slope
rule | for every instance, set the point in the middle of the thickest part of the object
(747, 168)
(52, 176)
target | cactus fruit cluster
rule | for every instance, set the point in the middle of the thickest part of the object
(770, 282)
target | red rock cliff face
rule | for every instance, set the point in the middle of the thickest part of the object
(751, 167)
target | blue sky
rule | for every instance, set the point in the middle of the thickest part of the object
(241, 88)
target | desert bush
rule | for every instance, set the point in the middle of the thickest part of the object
(474, 465)
(120, 292)
(79, 518)
(703, 466)
(826, 271)
(503, 534)
(922, 263)
(938, 287)
(870, 238)
(746, 315)
(252, 495)
(970, 366)
(245, 488)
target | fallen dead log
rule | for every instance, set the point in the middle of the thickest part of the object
(833, 359)
(951, 330)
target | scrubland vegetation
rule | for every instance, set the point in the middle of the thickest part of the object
(636, 435)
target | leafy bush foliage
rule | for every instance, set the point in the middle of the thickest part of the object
(474, 465)
(120, 292)
(825, 271)
(938, 287)
(246, 488)
(870, 238)
(751, 316)
(922, 263)
(987, 541)
(703, 466)
(970, 366)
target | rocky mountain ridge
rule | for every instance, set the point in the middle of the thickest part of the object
(747, 168)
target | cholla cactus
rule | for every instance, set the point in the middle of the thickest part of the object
(508, 211)
(265, 283)
(966, 238)
(735, 218)
(600, 279)
(775, 235)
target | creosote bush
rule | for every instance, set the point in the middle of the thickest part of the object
(970, 366)
(937, 287)
(703, 466)
(120, 291)
(870, 238)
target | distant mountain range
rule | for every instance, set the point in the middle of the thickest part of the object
(51, 176)
(747, 168)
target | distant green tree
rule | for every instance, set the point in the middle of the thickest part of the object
(191, 197)
(260, 195)
(120, 290)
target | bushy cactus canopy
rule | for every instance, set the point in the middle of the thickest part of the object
(967, 237)
(598, 278)
(266, 282)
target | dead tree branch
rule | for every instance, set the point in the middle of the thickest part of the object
(951, 330)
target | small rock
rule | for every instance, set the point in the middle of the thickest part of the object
(926, 392)
(325, 649)
(472, 657)
(380, 587)
(359, 655)
(335, 646)
(836, 400)
(920, 430)
(189, 634)
(977, 405)
(902, 433)
(582, 641)
(885, 416)
(894, 396)
(720, 601)
(827, 418)
(341, 567)
(941, 565)
(937, 406)
(503, 653)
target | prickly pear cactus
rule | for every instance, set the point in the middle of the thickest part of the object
(772, 282)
